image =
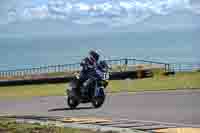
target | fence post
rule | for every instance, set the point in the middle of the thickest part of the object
(126, 63)
(168, 68)
(120, 62)
(58, 67)
(179, 67)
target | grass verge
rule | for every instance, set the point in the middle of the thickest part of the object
(183, 80)
(10, 126)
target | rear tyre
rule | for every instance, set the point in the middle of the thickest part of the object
(72, 102)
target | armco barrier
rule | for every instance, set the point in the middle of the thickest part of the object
(113, 76)
(131, 74)
(35, 81)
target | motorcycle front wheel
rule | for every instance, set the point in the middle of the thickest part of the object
(98, 102)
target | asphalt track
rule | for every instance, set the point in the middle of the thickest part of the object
(178, 107)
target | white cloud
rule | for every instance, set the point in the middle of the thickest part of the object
(82, 7)
(39, 12)
(82, 12)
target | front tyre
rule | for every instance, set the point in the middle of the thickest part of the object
(99, 98)
(72, 102)
(97, 102)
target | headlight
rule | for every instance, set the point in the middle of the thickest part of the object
(106, 76)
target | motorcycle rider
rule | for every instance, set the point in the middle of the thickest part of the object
(88, 73)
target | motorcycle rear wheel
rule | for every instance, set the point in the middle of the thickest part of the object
(72, 102)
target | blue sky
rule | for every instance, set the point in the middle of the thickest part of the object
(40, 2)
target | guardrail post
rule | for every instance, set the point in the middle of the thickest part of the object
(126, 64)
(10, 73)
(3, 74)
(58, 67)
(168, 68)
(6, 73)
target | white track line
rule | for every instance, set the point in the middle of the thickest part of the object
(166, 123)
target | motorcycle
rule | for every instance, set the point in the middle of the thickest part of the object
(94, 94)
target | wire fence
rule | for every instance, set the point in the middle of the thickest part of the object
(127, 62)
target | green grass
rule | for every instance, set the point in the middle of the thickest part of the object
(33, 90)
(10, 126)
(56, 74)
(187, 80)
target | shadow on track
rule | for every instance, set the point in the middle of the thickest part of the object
(64, 109)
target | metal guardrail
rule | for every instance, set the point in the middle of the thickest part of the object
(76, 67)
(40, 70)
(185, 67)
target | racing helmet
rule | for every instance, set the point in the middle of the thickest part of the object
(93, 55)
